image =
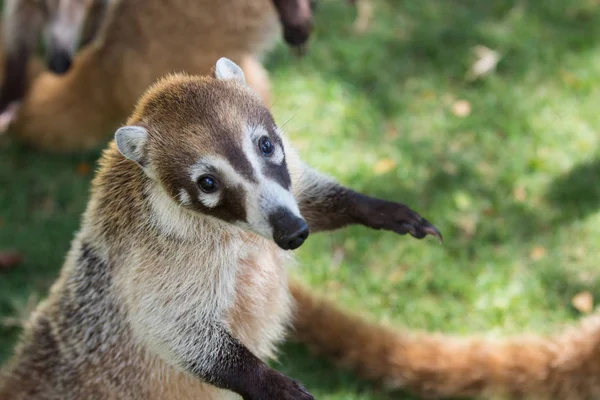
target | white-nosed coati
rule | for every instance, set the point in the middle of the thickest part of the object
(175, 287)
(125, 46)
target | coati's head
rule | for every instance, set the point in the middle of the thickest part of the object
(70, 25)
(214, 148)
(65, 25)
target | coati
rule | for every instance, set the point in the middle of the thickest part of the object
(127, 45)
(65, 25)
(175, 286)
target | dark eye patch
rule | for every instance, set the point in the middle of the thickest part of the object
(279, 173)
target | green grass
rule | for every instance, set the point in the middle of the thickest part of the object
(517, 175)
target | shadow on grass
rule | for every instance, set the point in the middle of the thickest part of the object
(576, 194)
(321, 377)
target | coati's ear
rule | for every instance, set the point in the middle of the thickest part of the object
(131, 141)
(227, 69)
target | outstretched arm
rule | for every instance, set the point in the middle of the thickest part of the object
(327, 205)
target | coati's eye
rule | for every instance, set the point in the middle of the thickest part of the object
(265, 145)
(207, 183)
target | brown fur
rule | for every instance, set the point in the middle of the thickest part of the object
(135, 46)
(565, 366)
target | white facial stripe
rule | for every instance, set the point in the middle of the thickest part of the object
(66, 27)
(209, 164)
(274, 196)
(210, 200)
(251, 136)
(184, 197)
(278, 155)
(262, 203)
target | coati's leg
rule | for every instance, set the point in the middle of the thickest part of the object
(326, 205)
(257, 77)
(22, 25)
(228, 364)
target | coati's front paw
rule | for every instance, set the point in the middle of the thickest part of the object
(398, 218)
(275, 385)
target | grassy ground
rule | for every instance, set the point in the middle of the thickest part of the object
(512, 185)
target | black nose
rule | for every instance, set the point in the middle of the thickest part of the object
(297, 35)
(289, 231)
(59, 62)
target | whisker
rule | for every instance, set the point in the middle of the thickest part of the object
(286, 122)
(301, 176)
(273, 103)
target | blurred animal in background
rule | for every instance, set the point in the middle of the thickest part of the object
(122, 47)
(65, 27)
(176, 287)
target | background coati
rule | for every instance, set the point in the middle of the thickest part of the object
(134, 43)
(175, 279)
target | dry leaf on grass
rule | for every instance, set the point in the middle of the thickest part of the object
(391, 132)
(84, 169)
(10, 259)
(383, 166)
(461, 108)
(487, 60)
(583, 302)
(519, 193)
(397, 275)
(569, 78)
(537, 253)
(47, 205)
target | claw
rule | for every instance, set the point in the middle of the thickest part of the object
(432, 230)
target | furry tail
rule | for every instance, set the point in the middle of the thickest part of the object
(566, 366)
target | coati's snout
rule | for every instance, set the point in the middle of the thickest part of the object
(59, 62)
(289, 230)
(296, 18)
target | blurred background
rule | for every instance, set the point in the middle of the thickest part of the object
(481, 115)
